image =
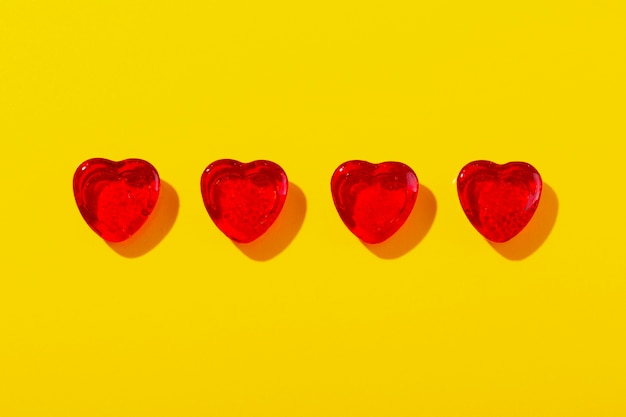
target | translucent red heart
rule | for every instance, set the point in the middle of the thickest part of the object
(374, 200)
(243, 199)
(499, 200)
(116, 198)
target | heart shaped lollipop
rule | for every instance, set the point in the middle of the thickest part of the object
(499, 200)
(242, 199)
(374, 200)
(116, 198)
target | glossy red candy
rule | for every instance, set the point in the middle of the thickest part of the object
(374, 200)
(242, 199)
(116, 198)
(499, 200)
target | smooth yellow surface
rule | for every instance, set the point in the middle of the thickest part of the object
(308, 321)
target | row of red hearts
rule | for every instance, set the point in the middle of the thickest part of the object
(245, 199)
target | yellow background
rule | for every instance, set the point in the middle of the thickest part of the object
(308, 321)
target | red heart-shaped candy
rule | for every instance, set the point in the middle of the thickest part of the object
(243, 200)
(374, 200)
(499, 200)
(116, 198)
